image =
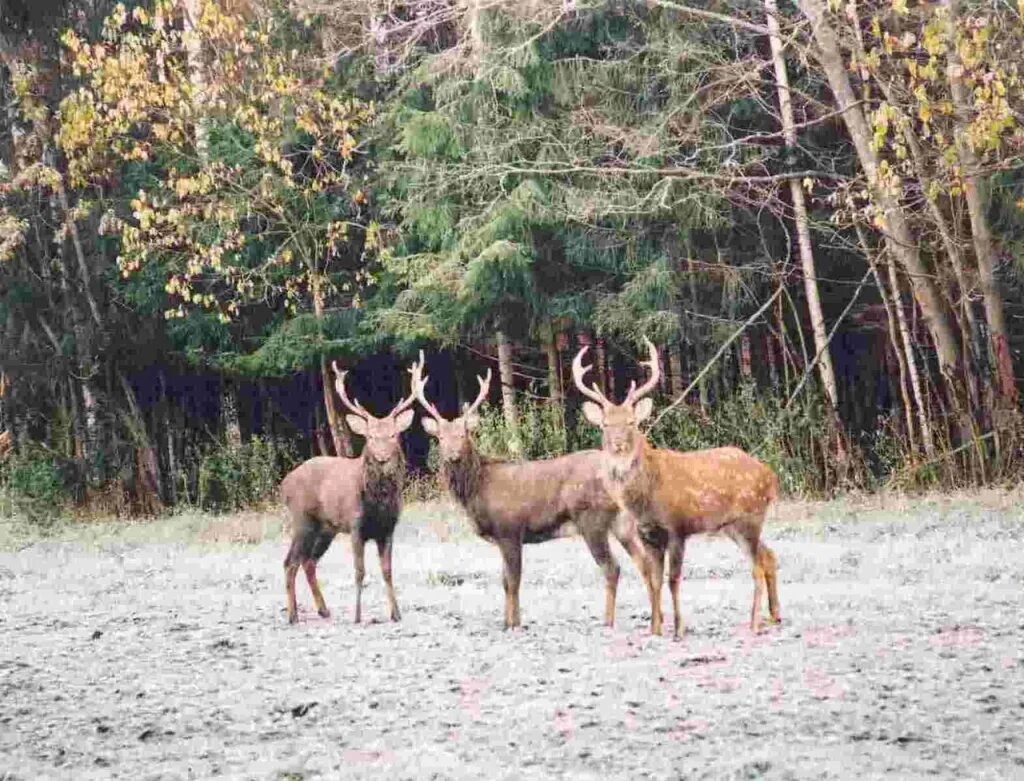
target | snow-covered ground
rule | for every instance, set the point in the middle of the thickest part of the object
(901, 655)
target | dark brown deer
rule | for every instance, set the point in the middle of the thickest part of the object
(512, 503)
(360, 496)
(722, 490)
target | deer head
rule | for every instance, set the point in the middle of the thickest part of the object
(453, 436)
(382, 443)
(619, 423)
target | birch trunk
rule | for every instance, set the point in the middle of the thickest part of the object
(977, 209)
(899, 237)
(915, 377)
(825, 369)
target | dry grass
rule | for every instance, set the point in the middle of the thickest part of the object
(246, 528)
(443, 520)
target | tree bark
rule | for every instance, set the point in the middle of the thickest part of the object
(977, 209)
(698, 343)
(229, 413)
(147, 466)
(912, 370)
(898, 235)
(602, 368)
(894, 338)
(508, 396)
(803, 233)
(341, 437)
(675, 369)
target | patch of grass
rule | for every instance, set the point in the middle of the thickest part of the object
(442, 516)
(189, 527)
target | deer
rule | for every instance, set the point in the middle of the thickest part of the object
(514, 503)
(674, 495)
(361, 497)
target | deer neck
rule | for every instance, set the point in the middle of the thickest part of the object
(463, 476)
(382, 482)
(629, 478)
(623, 470)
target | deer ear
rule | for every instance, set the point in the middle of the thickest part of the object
(357, 424)
(430, 426)
(403, 421)
(472, 421)
(643, 410)
(593, 413)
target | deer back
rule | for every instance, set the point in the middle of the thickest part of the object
(327, 489)
(539, 495)
(702, 490)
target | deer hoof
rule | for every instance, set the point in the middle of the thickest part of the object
(324, 612)
(293, 618)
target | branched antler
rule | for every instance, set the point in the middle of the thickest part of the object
(339, 385)
(652, 363)
(578, 370)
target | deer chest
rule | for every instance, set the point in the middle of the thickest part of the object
(380, 507)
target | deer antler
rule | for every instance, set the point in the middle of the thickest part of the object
(652, 363)
(339, 386)
(485, 384)
(578, 370)
(405, 403)
(419, 385)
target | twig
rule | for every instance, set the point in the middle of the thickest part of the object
(828, 341)
(716, 356)
(941, 457)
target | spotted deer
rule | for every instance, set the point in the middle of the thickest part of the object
(515, 503)
(360, 496)
(676, 495)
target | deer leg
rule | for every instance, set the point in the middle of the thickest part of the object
(655, 578)
(512, 557)
(384, 553)
(358, 557)
(598, 544)
(676, 549)
(748, 538)
(317, 545)
(291, 567)
(771, 567)
(630, 540)
(309, 566)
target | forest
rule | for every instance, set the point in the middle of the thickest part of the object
(814, 209)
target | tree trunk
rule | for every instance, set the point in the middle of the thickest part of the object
(602, 368)
(698, 343)
(675, 370)
(508, 396)
(977, 209)
(746, 369)
(196, 71)
(803, 233)
(549, 339)
(898, 235)
(894, 338)
(341, 437)
(229, 413)
(915, 378)
(318, 430)
(147, 468)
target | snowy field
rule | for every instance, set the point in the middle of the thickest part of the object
(163, 651)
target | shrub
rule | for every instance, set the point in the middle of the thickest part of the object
(33, 485)
(235, 477)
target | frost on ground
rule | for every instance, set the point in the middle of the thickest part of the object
(901, 655)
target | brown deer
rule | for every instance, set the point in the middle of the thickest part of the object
(512, 503)
(360, 496)
(722, 490)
